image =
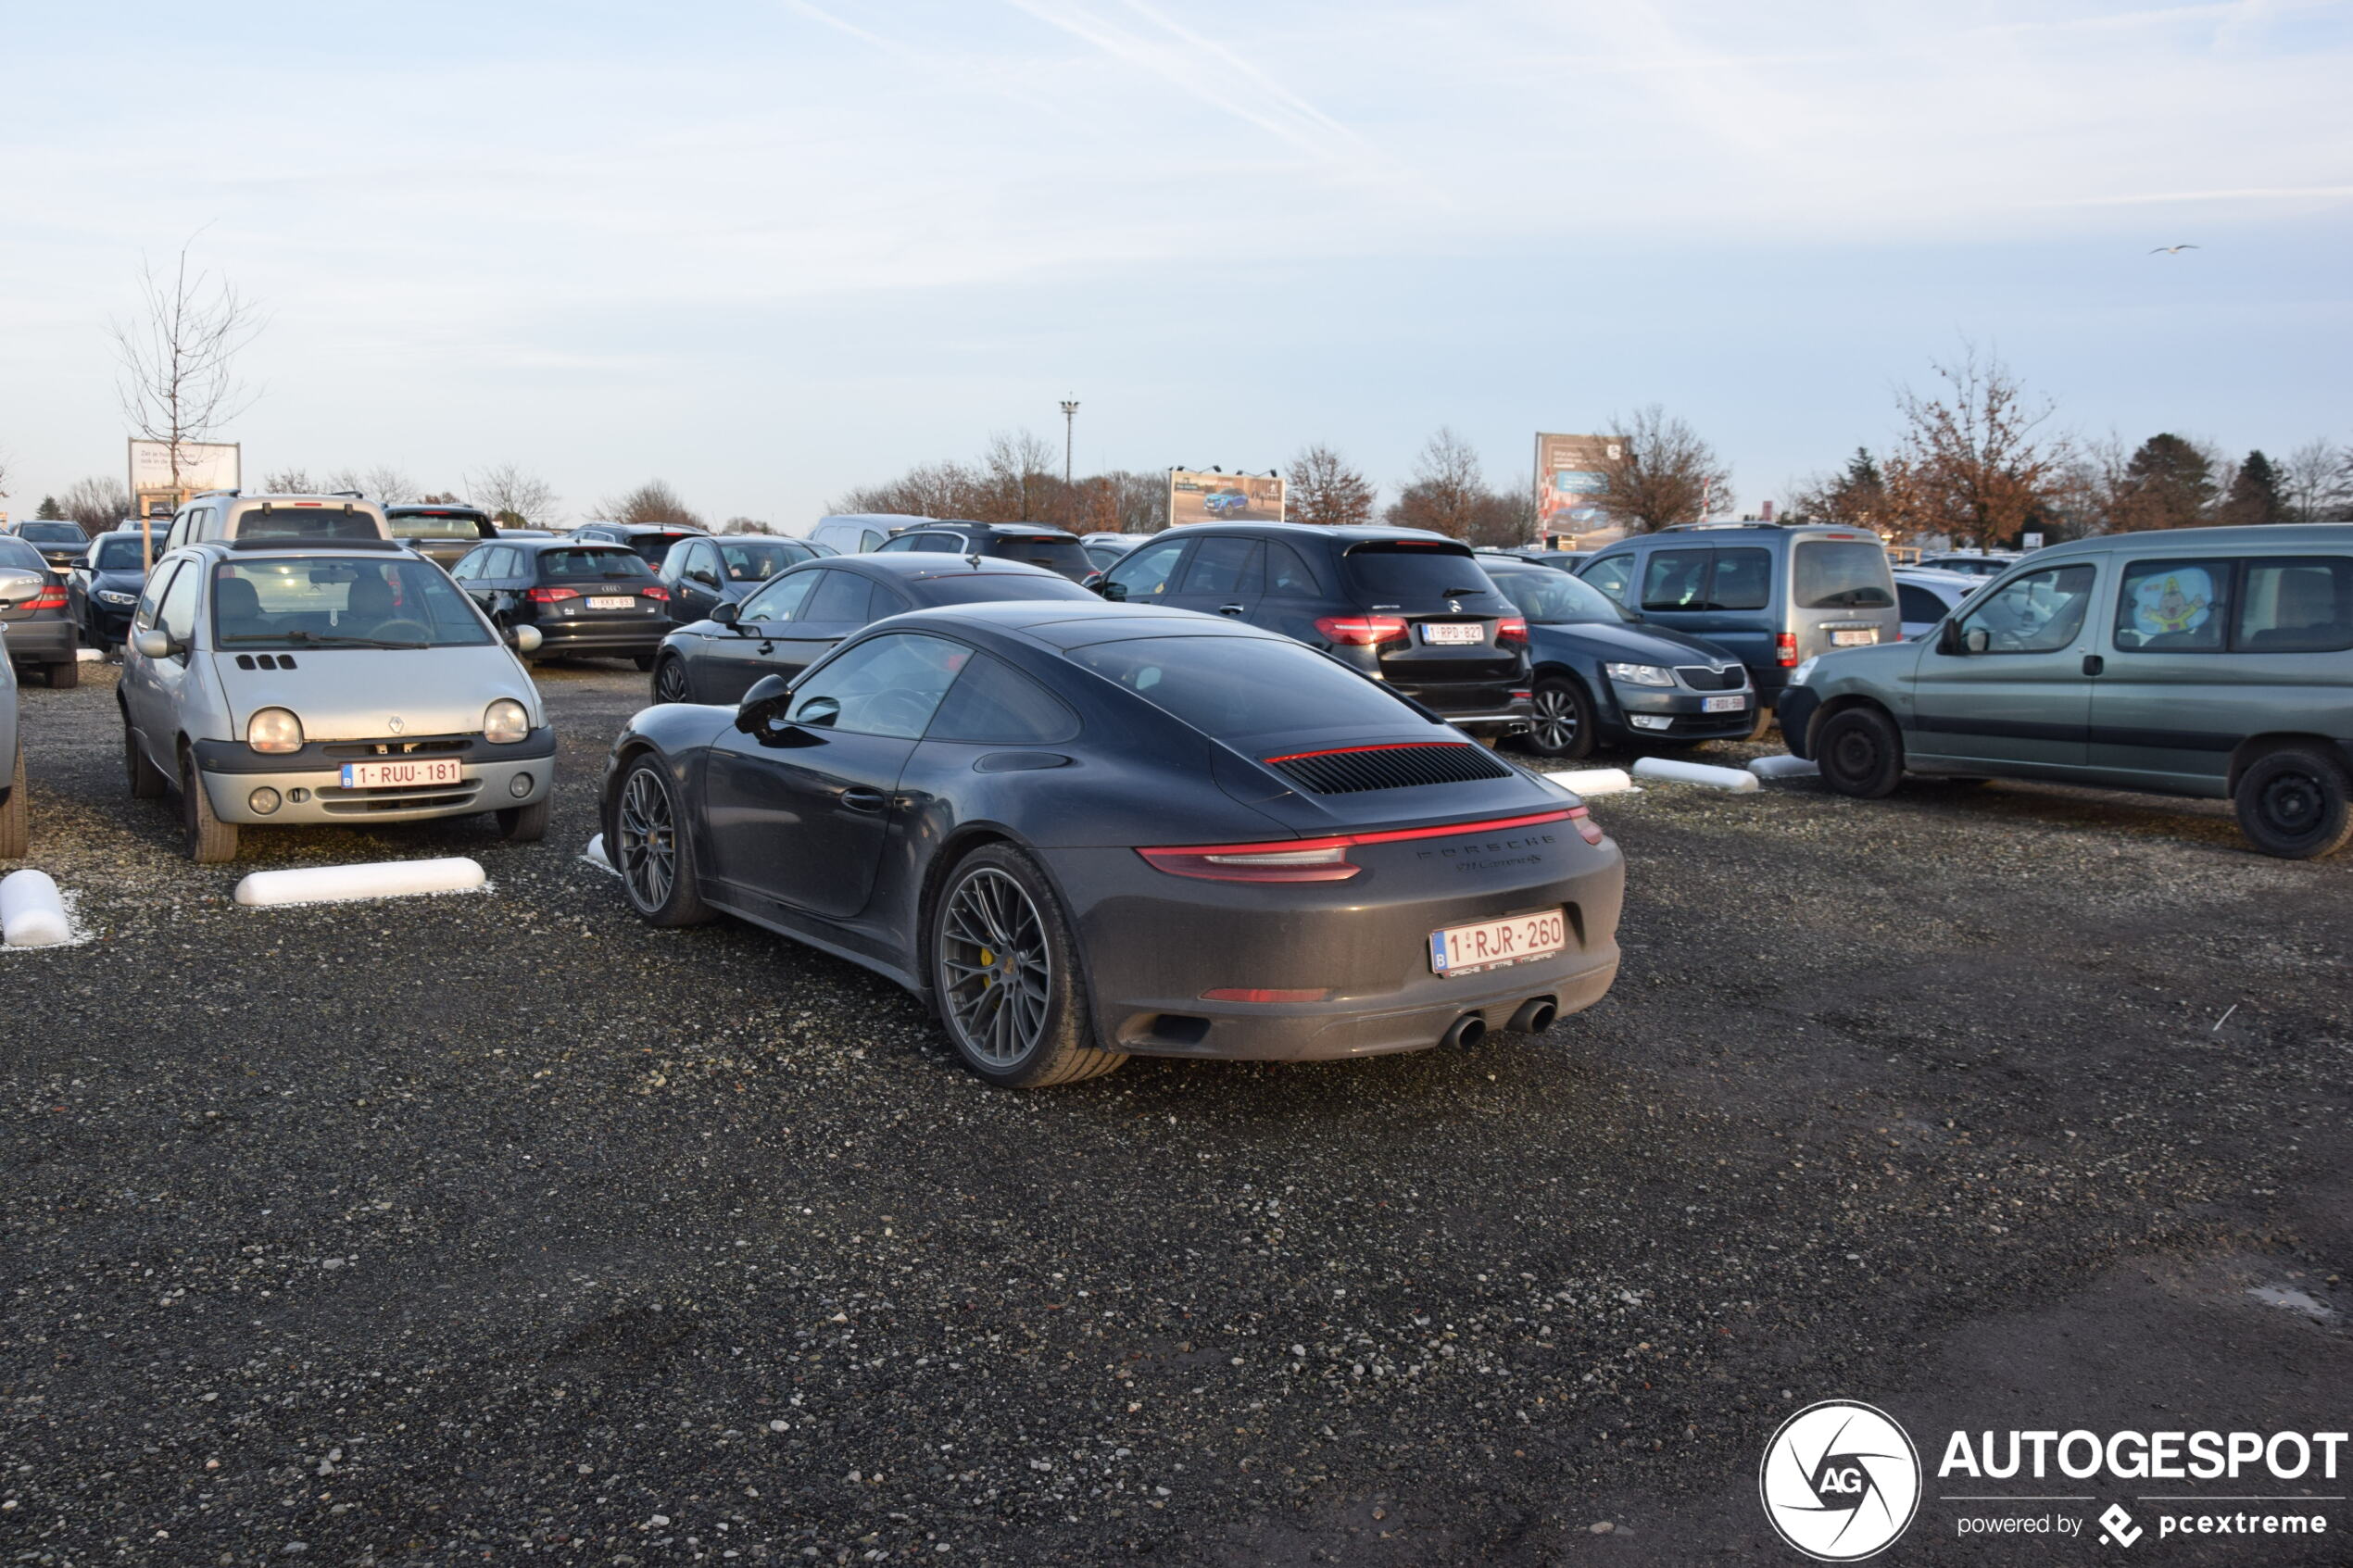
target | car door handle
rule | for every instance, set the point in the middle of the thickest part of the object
(863, 800)
(1230, 609)
(2093, 664)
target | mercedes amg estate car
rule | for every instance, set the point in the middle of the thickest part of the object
(1086, 831)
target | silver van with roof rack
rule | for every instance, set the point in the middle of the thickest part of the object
(234, 514)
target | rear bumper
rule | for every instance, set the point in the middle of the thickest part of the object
(612, 641)
(46, 641)
(1154, 943)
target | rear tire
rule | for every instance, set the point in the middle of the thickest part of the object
(1860, 753)
(63, 676)
(1006, 977)
(525, 824)
(211, 842)
(2295, 803)
(672, 682)
(146, 780)
(1562, 729)
(646, 845)
(16, 825)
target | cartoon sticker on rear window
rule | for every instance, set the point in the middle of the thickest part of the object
(2177, 599)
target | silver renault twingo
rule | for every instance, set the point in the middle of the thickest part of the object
(287, 679)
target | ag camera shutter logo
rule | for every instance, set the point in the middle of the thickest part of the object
(1841, 1480)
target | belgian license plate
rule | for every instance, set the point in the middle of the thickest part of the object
(1452, 631)
(413, 770)
(1724, 704)
(1496, 944)
(614, 601)
(1863, 638)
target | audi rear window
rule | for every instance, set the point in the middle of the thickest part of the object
(557, 566)
(1410, 575)
(988, 587)
(1235, 686)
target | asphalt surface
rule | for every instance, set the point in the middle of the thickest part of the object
(496, 1228)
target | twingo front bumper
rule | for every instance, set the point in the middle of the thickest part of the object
(1154, 943)
(309, 782)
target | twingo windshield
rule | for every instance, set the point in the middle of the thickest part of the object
(1831, 575)
(1235, 686)
(582, 563)
(339, 601)
(1411, 574)
(120, 554)
(1551, 597)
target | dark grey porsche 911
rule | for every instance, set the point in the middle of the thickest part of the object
(1084, 831)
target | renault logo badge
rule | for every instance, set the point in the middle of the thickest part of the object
(396, 723)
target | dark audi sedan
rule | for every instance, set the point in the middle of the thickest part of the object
(592, 600)
(1084, 831)
(1600, 674)
(805, 609)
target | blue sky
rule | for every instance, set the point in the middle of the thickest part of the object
(770, 251)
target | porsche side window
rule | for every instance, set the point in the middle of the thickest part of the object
(888, 686)
(995, 703)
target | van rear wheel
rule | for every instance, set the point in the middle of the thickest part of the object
(1860, 753)
(2295, 803)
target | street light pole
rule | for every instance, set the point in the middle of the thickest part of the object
(1070, 424)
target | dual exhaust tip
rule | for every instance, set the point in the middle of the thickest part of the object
(1534, 1016)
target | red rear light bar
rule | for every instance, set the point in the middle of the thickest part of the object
(1361, 631)
(549, 595)
(1785, 650)
(1317, 860)
(1344, 750)
(656, 592)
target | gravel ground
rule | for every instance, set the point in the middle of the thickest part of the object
(497, 1227)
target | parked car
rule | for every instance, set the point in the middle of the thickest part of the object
(1972, 563)
(1217, 503)
(1924, 596)
(1084, 831)
(593, 600)
(103, 586)
(1600, 674)
(1772, 595)
(1105, 557)
(1563, 560)
(2214, 663)
(233, 514)
(1034, 542)
(1407, 607)
(440, 531)
(290, 680)
(34, 616)
(852, 533)
(702, 574)
(58, 542)
(805, 609)
(16, 805)
(652, 541)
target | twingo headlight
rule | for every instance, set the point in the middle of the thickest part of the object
(504, 722)
(1798, 676)
(276, 731)
(1640, 674)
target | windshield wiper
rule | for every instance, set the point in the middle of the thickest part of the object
(304, 638)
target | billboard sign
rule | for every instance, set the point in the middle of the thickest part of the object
(1223, 498)
(203, 466)
(1571, 473)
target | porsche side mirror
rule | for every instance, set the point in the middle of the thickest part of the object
(155, 643)
(726, 613)
(762, 706)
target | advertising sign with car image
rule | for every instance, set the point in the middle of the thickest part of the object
(1223, 498)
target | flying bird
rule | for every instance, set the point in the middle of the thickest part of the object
(2171, 250)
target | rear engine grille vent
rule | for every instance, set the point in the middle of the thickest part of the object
(1702, 679)
(1388, 766)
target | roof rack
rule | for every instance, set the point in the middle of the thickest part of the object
(306, 543)
(355, 495)
(202, 493)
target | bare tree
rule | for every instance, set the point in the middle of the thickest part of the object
(747, 525)
(1664, 473)
(514, 497)
(653, 501)
(1854, 497)
(1321, 487)
(945, 489)
(1975, 463)
(2317, 481)
(178, 355)
(1445, 492)
(289, 481)
(1020, 482)
(96, 503)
